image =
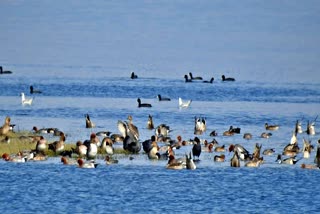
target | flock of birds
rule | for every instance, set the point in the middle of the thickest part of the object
(160, 146)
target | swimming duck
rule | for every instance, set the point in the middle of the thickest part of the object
(187, 78)
(194, 78)
(210, 81)
(235, 161)
(309, 166)
(247, 136)
(306, 148)
(254, 163)
(150, 124)
(224, 78)
(199, 125)
(219, 158)
(184, 103)
(147, 144)
(220, 148)
(241, 151)
(67, 161)
(89, 123)
(271, 127)
(196, 149)
(160, 98)
(133, 75)
(298, 128)
(266, 135)
(213, 133)
(290, 160)
(6, 126)
(256, 151)
(174, 164)
(14, 158)
(311, 128)
(317, 157)
(162, 130)
(26, 101)
(4, 72)
(90, 164)
(268, 151)
(189, 162)
(141, 105)
(153, 152)
(34, 91)
(110, 160)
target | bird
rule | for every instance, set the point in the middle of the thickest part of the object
(150, 124)
(147, 105)
(235, 161)
(189, 162)
(174, 164)
(160, 98)
(254, 162)
(89, 123)
(92, 147)
(26, 101)
(58, 146)
(131, 135)
(41, 145)
(290, 160)
(162, 131)
(266, 135)
(103, 133)
(194, 78)
(187, 78)
(219, 158)
(210, 81)
(107, 145)
(184, 103)
(90, 164)
(271, 127)
(298, 128)
(247, 136)
(309, 166)
(110, 160)
(33, 91)
(133, 75)
(224, 78)
(311, 128)
(196, 149)
(5, 128)
(4, 72)
(199, 125)
(268, 151)
(306, 148)
(241, 151)
(317, 157)
(81, 149)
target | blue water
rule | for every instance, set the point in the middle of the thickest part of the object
(81, 54)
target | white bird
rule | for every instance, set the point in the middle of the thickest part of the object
(184, 103)
(26, 101)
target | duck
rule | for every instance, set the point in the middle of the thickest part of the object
(317, 157)
(306, 149)
(254, 163)
(247, 136)
(256, 151)
(117, 137)
(189, 162)
(107, 145)
(110, 161)
(196, 149)
(150, 124)
(153, 153)
(311, 128)
(4, 71)
(34, 91)
(67, 161)
(143, 105)
(58, 146)
(266, 135)
(90, 164)
(147, 144)
(194, 78)
(220, 148)
(187, 78)
(235, 130)
(41, 145)
(5, 140)
(92, 147)
(19, 158)
(199, 125)
(174, 164)
(241, 151)
(210, 81)
(43, 130)
(89, 123)
(290, 160)
(103, 133)
(224, 78)
(133, 75)
(213, 133)
(219, 158)
(162, 130)
(309, 166)
(271, 127)
(298, 127)
(81, 149)
(268, 151)
(235, 161)
(26, 101)
(160, 98)
(127, 128)
(184, 103)
(5, 128)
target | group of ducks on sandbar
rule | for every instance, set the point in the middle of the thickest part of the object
(85, 153)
